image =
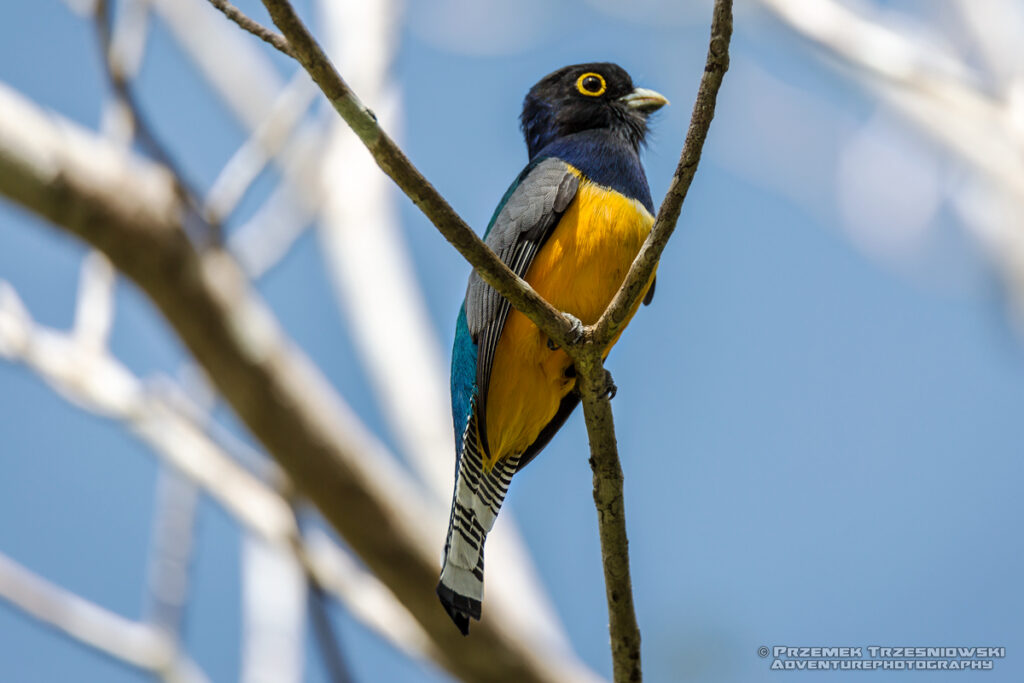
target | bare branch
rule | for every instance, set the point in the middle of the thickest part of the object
(935, 90)
(397, 166)
(94, 309)
(327, 637)
(266, 142)
(252, 26)
(157, 415)
(119, 71)
(273, 613)
(594, 382)
(128, 209)
(170, 554)
(240, 72)
(640, 273)
(129, 641)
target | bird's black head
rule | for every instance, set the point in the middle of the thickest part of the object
(584, 97)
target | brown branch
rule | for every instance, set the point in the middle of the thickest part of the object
(610, 323)
(252, 26)
(128, 208)
(397, 166)
(623, 629)
(594, 380)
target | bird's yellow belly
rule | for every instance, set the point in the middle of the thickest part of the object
(578, 270)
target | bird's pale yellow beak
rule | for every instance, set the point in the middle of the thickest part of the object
(644, 100)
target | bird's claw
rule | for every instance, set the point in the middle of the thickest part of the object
(610, 389)
(575, 332)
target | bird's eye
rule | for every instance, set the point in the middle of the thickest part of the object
(591, 84)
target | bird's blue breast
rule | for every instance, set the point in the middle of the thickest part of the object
(604, 158)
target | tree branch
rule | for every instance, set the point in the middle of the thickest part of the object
(254, 27)
(131, 642)
(594, 380)
(588, 355)
(397, 166)
(184, 437)
(611, 516)
(611, 322)
(119, 73)
(128, 208)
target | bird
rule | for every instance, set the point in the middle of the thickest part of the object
(570, 224)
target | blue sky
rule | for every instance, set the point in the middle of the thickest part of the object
(820, 447)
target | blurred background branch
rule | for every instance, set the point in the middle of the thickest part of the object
(832, 321)
(138, 644)
(88, 373)
(967, 94)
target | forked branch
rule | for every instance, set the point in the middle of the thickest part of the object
(587, 351)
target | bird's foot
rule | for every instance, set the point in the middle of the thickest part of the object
(610, 389)
(575, 331)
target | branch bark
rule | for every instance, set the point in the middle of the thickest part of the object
(263, 33)
(610, 323)
(594, 380)
(128, 209)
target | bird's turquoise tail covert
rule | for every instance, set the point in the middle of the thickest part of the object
(570, 224)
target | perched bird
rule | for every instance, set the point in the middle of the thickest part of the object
(571, 225)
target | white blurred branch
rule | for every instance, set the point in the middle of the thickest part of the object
(134, 643)
(232, 62)
(170, 555)
(94, 309)
(56, 358)
(240, 73)
(84, 377)
(978, 117)
(273, 613)
(266, 142)
(92, 379)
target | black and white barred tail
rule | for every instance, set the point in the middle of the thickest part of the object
(475, 504)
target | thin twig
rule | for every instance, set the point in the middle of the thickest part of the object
(252, 26)
(594, 379)
(326, 635)
(397, 166)
(610, 323)
(120, 83)
(262, 146)
(327, 638)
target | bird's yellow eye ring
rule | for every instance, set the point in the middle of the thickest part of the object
(591, 84)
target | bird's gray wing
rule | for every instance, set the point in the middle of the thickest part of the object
(529, 213)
